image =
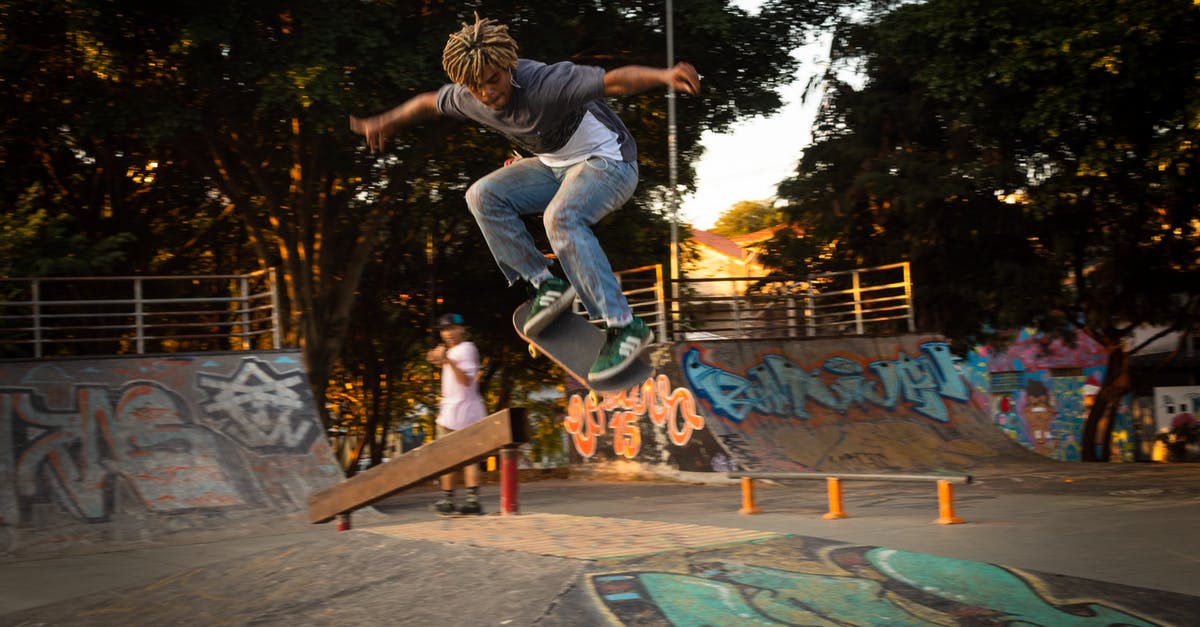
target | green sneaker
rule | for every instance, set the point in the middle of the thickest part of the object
(553, 297)
(622, 346)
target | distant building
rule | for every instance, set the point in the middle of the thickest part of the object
(716, 256)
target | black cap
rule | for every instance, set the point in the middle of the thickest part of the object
(450, 319)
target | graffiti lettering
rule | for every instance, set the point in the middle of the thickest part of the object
(779, 387)
(261, 410)
(143, 439)
(584, 423)
(673, 410)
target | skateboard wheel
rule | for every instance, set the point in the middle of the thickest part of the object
(533, 351)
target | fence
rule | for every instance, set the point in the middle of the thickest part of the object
(45, 317)
(866, 300)
(644, 289)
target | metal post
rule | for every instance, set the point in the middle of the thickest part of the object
(276, 332)
(908, 299)
(509, 480)
(672, 166)
(660, 296)
(946, 504)
(749, 507)
(858, 305)
(138, 320)
(36, 295)
(833, 486)
(791, 316)
(810, 314)
(244, 286)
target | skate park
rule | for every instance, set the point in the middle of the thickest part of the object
(177, 490)
(196, 456)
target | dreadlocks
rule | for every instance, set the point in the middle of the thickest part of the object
(476, 47)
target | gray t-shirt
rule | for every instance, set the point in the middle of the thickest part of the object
(546, 106)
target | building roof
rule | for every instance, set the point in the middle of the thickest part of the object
(739, 247)
(719, 243)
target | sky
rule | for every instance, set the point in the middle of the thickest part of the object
(750, 160)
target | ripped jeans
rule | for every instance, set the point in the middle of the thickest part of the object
(571, 199)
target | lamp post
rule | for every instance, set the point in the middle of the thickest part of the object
(672, 168)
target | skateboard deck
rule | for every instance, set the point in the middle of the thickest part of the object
(573, 343)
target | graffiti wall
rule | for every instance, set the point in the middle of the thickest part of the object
(656, 424)
(851, 404)
(847, 404)
(99, 449)
(1038, 391)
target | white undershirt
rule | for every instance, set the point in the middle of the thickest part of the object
(591, 139)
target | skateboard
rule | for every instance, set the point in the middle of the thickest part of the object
(573, 343)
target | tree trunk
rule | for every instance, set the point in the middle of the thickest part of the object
(1097, 429)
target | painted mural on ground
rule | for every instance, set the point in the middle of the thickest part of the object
(1038, 391)
(112, 448)
(845, 404)
(805, 581)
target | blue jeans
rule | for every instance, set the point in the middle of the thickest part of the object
(571, 199)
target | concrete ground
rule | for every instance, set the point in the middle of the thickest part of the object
(1063, 544)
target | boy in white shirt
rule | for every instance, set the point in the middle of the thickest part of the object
(461, 406)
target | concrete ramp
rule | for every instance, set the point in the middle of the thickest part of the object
(848, 404)
(130, 449)
(852, 404)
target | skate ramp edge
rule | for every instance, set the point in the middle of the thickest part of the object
(895, 404)
(114, 451)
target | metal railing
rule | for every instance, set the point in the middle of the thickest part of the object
(56, 316)
(644, 289)
(42, 317)
(874, 300)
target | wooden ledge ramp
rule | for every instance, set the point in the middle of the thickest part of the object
(446, 453)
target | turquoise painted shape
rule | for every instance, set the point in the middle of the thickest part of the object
(990, 586)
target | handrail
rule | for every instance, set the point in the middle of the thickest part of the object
(874, 300)
(40, 316)
(44, 313)
(833, 485)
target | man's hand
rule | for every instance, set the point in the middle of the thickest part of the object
(378, 128)
(437, 355)
(373, 128)
(635, 79)
(684, 78)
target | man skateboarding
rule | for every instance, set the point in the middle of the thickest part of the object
(584, 166)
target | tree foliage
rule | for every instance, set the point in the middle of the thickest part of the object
(747, 216)
(1036, 161)
(212, 137)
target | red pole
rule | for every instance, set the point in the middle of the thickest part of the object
(508, 480)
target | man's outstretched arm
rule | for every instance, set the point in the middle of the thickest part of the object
(379, 127)
(635, 79)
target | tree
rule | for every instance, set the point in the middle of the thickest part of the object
(1034, 160)
(747, 216)
(215, 134)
